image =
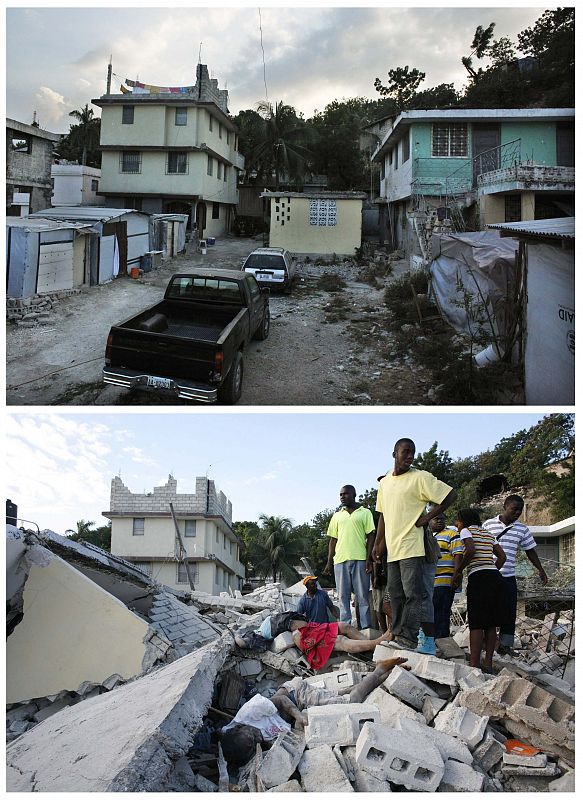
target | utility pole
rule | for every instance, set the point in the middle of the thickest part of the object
(182, 555)
(109, 70)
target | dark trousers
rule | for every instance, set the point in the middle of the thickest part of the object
(442, 602)
(406, 589)
(511, 594)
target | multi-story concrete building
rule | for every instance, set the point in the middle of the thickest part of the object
(172, 151)
(474, 167)
(29, 155)
(143, 531)
(76, 185)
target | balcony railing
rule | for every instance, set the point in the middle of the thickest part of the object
(465, 178)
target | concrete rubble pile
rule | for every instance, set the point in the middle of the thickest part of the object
(148, 677)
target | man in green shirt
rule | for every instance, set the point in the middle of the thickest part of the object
(352, 532)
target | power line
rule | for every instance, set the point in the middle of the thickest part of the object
(263, 56)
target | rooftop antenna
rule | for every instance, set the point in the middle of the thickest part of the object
(34, 120)
(109, 70)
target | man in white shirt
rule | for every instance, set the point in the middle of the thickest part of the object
(512, 534)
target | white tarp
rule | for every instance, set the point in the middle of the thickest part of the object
(549, 369)
(475, 273)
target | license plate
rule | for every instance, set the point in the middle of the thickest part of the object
(159, 383)
(266, 275)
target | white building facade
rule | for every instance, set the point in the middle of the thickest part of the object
(143, 532)
(76, 185)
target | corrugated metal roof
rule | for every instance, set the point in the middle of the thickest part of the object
(562, 228)
(44, 224)
(319, 195)
(94, 213)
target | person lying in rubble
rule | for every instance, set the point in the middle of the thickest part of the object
(296, 695)
(272, 626)
(317, 640)
(260, 721)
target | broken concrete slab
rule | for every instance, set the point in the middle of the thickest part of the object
(66, 613)
(431, 707)
(566, 783)
(489, 751)
(249, 667)
(391, 708)
(408, 687)
(532, 772)
(459, 777)
(448, 746)
(204, 785)
(288, 786)
(514, 760)
(125, 740)
(338, 724)
(321, 772)
(281, 760)
(362, 780)
(408, 759)
(462, 723)
(437, 670)
(182, 625)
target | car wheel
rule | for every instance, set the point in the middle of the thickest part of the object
(262, 331)
(230, 392)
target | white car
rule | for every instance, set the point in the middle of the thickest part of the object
(272, 266)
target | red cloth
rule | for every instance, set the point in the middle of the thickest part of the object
(317, 642)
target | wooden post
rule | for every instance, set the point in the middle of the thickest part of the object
(183, 556)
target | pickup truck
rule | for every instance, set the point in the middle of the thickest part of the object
(191, 344)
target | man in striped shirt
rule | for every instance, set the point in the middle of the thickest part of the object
(512, 534)
(452, 553)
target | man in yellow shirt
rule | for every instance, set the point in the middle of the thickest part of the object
(402, 496)
(351, 531)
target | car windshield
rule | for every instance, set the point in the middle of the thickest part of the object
(194, 287)
(265, 261)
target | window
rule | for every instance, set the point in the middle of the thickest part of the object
(94, 185)
(138, 526)
(406, 148)
(210, 122)
(396, 156)
(177, 163)
(219, 169)
(182, 574)
(130, 161)
(322, 213)
(190, 527)
(228, 137)
(22, 144)
(383, 169)
(217, 536)
(230, 548)
(181, 116)
(220, 131)
(450, 140)
(127, 115)
(209, 165)
(512, 208)
(225, 173)
(216, 210)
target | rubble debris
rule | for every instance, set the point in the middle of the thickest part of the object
(281, 760)
(321, 772)
(458, 777)
(338, 724)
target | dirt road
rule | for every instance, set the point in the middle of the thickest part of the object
(307, 359)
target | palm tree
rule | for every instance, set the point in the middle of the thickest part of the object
(277, 548)
(86, 134)
(281, 150)
(83, 529)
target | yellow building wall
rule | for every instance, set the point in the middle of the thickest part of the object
(72, 631)
(527, 205)
(298, 236)
(492, 209)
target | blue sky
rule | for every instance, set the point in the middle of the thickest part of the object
(57, 57)
(60, 465)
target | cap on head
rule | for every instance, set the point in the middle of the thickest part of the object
(309, 578)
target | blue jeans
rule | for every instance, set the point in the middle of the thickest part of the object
(442, 602)
(352, 577)
(406, 587)
(507, 631)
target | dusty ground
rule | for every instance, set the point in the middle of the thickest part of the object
(307, 360)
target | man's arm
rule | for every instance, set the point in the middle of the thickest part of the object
(380, 544)
(370, 540)
(500, 556)
(469, 552)
(424, 519)
(532, 556)
(331, 550)
(457, 569)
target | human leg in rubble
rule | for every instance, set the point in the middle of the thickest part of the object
(317, 640)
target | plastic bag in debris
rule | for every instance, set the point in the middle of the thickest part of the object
(259, 712)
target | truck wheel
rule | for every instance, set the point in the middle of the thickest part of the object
(231, 389)
(262, 331)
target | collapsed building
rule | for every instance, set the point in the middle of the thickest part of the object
(116, 682)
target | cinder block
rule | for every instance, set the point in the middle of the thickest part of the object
(338, 724)
(281, 760)
(384, 651)
(448, 746)
(532, 772)
(407, 687)
(362, 780)
(391, 708)
(460, 778)
(320, 772)
(282, 642)
(409, 760)
(471, 677)
(539, 760)
(436, 670)
(460, 722)
(337, 680)
(249, 666)
(489, 752)
(431, 707)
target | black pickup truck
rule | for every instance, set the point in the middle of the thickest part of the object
(191, 344)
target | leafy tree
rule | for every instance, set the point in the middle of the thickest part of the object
(281, 151)
(82, 142)
(401, 86)
(437, 462)
(480, 46)
(502, 52)
(277, 549)
(247, 532)
(442, 96)
(552, 38)
(87, 532)
(251, 127)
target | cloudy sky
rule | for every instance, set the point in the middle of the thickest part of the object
(60, 466)
(57, 57)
